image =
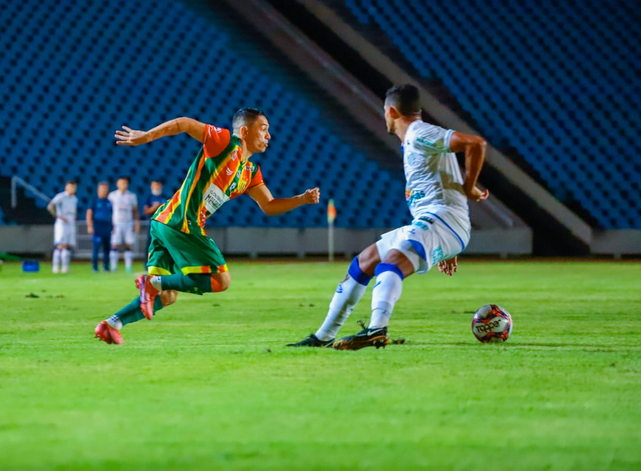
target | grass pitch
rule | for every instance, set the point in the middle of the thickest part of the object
(209, 384)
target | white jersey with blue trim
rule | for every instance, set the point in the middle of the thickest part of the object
(434, 185)
(66, 205)
(123, 205)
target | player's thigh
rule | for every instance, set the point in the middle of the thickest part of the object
(192, 253)
(117, 236)
(422, 245)
(160, 261)
(129, 235)
(58, 232)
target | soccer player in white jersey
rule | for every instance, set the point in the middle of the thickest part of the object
(437, 197)
(64, 207)
(126, 222)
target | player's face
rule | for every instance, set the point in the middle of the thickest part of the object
(258, 135)
(122, 184)
(103, 190)
(70, 188)
(156, 188)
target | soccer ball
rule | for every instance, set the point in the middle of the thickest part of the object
(491, 323)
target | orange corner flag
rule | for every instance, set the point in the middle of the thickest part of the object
(331, 212)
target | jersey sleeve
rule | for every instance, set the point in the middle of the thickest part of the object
(215, 141)
(257, 178)
(433, 139)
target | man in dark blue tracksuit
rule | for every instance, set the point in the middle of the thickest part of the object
(99, 225)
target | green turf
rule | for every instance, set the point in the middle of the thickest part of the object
(208, 384)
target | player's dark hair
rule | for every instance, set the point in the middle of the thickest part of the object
(246, 117)
(405, 98)
(125, 178)
(71, 182)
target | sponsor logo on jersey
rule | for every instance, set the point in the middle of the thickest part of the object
(214, 198)
(437, 255)
(414, 197)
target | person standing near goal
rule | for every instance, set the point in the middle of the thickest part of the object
(437, 198)
(126, 222)
(64, 207)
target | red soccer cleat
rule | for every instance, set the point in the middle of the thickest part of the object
(147, 295)
(108, 334)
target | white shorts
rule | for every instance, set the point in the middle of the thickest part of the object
(123, 233)
(425, 242)
(64, 233)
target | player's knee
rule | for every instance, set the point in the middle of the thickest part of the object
(168, 297)
(368, 259)
(220, 282)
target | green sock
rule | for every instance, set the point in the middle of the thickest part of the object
(195, 284)
(132, 313)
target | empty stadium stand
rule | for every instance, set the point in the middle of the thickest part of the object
(561, 88)
(71, 72)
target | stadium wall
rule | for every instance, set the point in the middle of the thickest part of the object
(37, 240)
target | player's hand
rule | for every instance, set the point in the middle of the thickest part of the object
(62, 218)
(475, 194)
(448, 267)
(89, 230)
(311, 196)
(131, 137)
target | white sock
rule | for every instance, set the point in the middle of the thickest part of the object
(66, 258)
(129, 259)
(113, 260)
(346, 297)
(387, 290)
(156, 282)
(55, 266)
(115, 322)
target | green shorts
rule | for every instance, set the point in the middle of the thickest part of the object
(172, 251)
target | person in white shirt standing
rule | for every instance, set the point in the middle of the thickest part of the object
(437, 196)
(126, 222)
(64, 207)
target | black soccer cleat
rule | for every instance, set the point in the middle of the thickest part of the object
(365, 338)
(312, 341)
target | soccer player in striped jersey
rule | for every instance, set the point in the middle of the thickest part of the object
(181, 256)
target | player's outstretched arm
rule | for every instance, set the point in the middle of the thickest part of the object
(474, 148)
(132, 137)
(275, 206)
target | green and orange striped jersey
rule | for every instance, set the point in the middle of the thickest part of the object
(217, 175)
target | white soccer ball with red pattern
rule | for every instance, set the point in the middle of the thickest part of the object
(492, 323)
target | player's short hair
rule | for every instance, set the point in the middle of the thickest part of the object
(405, 98)
(246, 117)
(157, 180)
(103, 183)
(125, 178)
(71, 182)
